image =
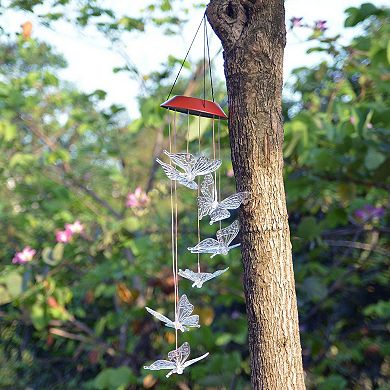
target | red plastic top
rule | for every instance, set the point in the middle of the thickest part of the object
(194, 106)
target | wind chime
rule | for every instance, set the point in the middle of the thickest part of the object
(187, 169)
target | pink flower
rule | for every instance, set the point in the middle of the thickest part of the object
(296, 22)
(352, 119)
(230, 173)
(63, 236)
(75, 227)
(25, 256)
(320, 25)
(137, 199)
(369, 125)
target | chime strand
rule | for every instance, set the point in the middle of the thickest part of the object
(214, 156)
(188, 133)
(176, 228)
(219, 171)
(173, 228)
(198, 193)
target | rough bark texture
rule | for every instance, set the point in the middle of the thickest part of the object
(253, 37)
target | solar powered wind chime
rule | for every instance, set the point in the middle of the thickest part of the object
(197, 172)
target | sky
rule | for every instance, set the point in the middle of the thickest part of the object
(91, 61)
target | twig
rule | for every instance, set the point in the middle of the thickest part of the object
(356, 245)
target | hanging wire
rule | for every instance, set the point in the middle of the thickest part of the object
(198, 192)
(219, 171)
(206, 46)
(188, 133)
(204, 60)
(188, 51)
(173, 228)
(208, 56)
(176, 223)
(214, 157)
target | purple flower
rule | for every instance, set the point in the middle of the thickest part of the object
(295, 22)
(25, 256)
(369, 212)
(320, 25)
(75, 227)
(137, 199)
(63, 236)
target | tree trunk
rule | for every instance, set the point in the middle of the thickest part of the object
(253, 38)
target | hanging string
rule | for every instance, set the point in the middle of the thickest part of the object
(188, 132)
(209, 60)
(206, 45)
(188, 51)
(219, 171)
(176, 227)
(204, 60)
(214, 156)
(198, 192)
(173, 229)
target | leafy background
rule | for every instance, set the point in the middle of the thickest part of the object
(74, 316)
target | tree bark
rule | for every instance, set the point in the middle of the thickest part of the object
(253, 33)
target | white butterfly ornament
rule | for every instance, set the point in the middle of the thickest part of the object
(183, 319)
(177, 361)
(208, 202)
(191, 165)
(200, 277)
(220, 246)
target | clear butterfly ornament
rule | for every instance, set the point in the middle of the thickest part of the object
(220, 246)
(192, 167)
(176, 361)
(208, 202)
(184, 319)
(200, 277)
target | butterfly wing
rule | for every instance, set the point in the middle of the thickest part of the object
(180, 354)
(188, 183)
(188, 274)
(191, 321)
(204, 165)
(205, 201)
(218, 214)
(169, 170)
(207, 187)
(160, 317)
(219, 272)
(192, 361)
(234, 201)
(161, 365)
(209, 245)
(183, 160)
(185, 308)
(226, 236)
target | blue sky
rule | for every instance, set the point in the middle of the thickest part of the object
(91, 60)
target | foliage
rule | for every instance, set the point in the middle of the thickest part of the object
(75, 313)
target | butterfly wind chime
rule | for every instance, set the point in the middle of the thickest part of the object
(194, 171)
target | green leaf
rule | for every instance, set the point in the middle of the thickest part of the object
(114, 378)
(38, 316)
(22, 159)
(309, 228)
(11, 285)
(8, 130)
(333, 382)
(314, 288)
(373, 159)
(58, 252)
